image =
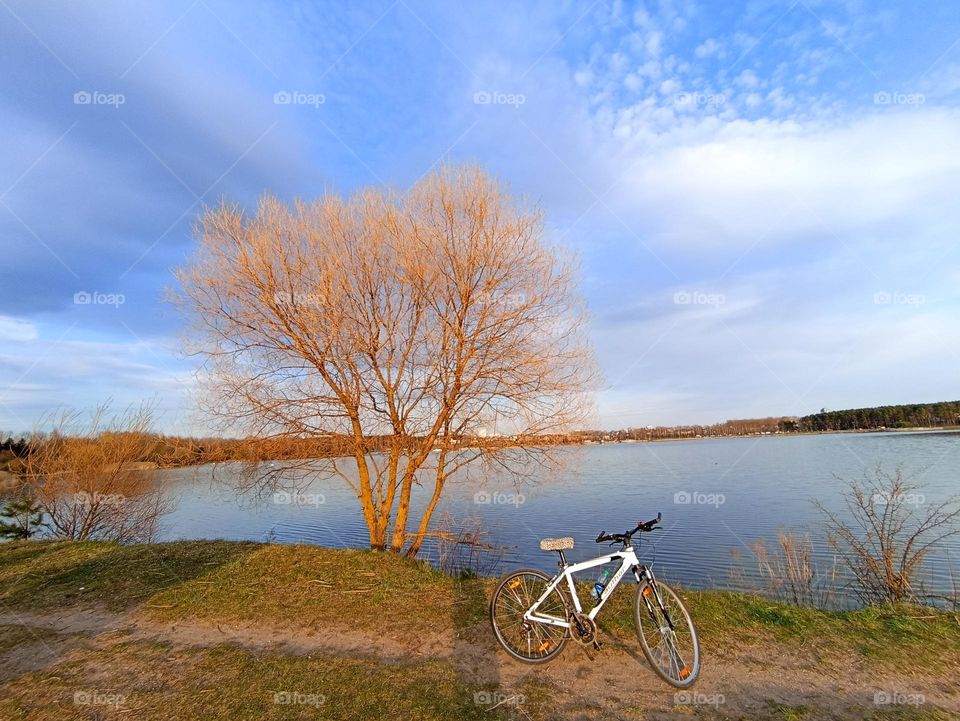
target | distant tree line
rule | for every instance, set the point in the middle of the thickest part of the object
(739, 427)
(915, 415)
(163, 451)
(177, 451)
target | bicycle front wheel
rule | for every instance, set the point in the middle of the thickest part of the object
(674, 653)
(527, 641)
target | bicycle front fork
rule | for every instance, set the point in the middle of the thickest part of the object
(642, 573)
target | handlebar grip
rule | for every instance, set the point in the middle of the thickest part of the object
(601, 538)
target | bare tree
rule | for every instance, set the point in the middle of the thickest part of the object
(403, 322)
(83, 477)
(891, 531)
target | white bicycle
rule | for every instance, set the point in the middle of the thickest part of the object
(533, 615)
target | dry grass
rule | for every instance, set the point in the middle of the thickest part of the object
(156, 682)
(792, 575)
(311, 588)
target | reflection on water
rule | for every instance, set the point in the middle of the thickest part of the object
(718, 496)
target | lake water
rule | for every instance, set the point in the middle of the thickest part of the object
(717, 496)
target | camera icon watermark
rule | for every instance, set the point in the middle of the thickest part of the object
(298, 97)
(695, 698)
(498, 498)
(83, 297)
(96, 97)
(897, 297)
(910, 499)
(287, 498)
(495, 97)
(699, 100)
(509, 301)
(497, 698)
(696, 297)
(311, 300)
(296, 698)
(95, 499)
(94, 697)
(895, 698)
(697, 498)
(885, 97)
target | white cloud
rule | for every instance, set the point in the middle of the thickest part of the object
(60, 370)
(669, 87)
(747, 79)
(17, 330)
(743, 182)
(708, 48)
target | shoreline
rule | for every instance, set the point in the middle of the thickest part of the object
(9, 481)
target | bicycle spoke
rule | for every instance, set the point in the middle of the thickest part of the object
(672, 651)
(529, 640)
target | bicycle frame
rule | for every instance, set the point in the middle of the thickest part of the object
(628, 561)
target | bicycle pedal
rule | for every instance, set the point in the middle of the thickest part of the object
(597, 645)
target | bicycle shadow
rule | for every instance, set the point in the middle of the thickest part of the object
(475, 656)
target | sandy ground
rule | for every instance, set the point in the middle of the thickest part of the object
(756, 681)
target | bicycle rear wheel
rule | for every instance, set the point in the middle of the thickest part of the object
(674, 653)
(527, 641)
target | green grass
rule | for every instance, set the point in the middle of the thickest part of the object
(887, 634)
(37, 575)
(314, 588)
(318, 590)
(155, 681)
(781, 712)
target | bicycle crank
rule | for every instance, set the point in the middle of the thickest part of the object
(583, 629)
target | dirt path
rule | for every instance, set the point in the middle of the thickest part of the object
(755, 681)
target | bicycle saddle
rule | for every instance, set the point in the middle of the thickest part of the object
(556, 544)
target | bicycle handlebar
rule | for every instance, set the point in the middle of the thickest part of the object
(642, 527)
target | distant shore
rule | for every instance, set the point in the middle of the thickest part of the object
(929, 429)
(10, 481)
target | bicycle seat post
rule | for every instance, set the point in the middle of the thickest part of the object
(563, 559)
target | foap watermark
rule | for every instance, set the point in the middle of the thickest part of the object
(910, 499)
(83, 297)
(695, 698)
(495, 97)
(94, 697)
(696, 297)
(96, 97)
(296, 498)
(699, 100)
(896, 698)
(697, 498)
(498, 498)
(298, 698)
(298, 97)
(498, 698)
(83, 498)
(508, 300)
(313, 300)
(885, 97)
(898, 297)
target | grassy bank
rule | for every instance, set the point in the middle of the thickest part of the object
(322, 593)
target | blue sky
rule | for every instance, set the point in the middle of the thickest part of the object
(763, 194)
